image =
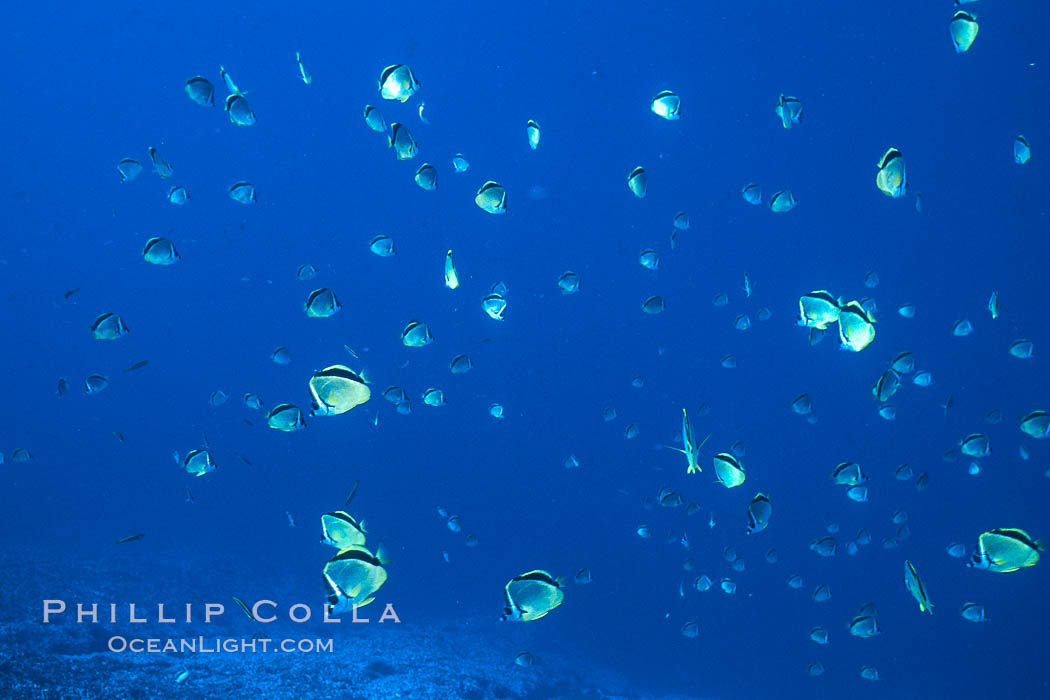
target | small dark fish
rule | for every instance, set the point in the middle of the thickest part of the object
(118, 435)
(352, 493)
(131, 538)
(244, 607)
(63, 386)
(244, 459)
(247, 421)
(189, 496)
(138, 365)
(948, 404)
(70, 292)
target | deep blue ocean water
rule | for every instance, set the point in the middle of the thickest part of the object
(88, 86)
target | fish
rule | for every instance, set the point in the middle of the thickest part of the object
(856, 327)
(227, 80)
(802, 405)
(218, 397)
(137, 365)
(491, 198)
(963, 29)
(353, 492)
(531, 596)
(891, 179)
(524, 659)
(383, 246)
(374, 119)
(352, 577)
(178, 195)
(63, 386)
(637, 182)
(291, 520)
(869, 673)
(281, 356)
(789, 109)
(426, 177)
(532, 132)
(886, 385)
(459, 163)
(340, 530)
(285, 417)
(728, 361)
(825, 546)
(794, 581)
(666, 104)
(974, 612)
(915, 586)
(864, 626)
(161, 166)
(690, 630)
(131, 538)
(1022, 349)
(1005, 550)
(303, 73)
(461, 364)
(239, 111)
(993, 305)
(758, 513)
(434, 397)
(201, 91)
(243, 192)
(416, 334)
(451, 276)
(405, 147)
(649, 259)
(782, 201)
(129, 169)
(751, 193)
(654, 305)
(975, 445)
(569, 282)
(397, 82)
(906, 310)
(903, 363)
(1022, 151)
(244, 608)
(322, 303)
(922, 378)
(819, 635)
(729, 470)
(857, 493)
(962, 328)
(815, 669)
(109, 326)
(817, 309)
(95, 383)
(849, 474)
(197, 462)
(337, 389)
(160, 251)
(496, 410)
(681, 221)
(1036, 424)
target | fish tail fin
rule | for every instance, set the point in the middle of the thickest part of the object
(1040, 545)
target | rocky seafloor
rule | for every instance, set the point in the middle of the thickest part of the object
(64, 659)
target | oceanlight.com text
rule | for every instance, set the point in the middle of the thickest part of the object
(218, 645)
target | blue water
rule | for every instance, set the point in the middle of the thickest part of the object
(88, 86)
